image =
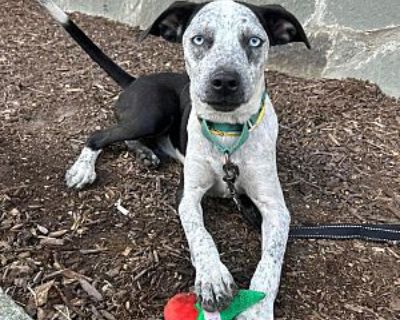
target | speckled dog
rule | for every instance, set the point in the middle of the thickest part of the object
(225, 48)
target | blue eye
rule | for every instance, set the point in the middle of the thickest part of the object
(255, 42)
(198, 40)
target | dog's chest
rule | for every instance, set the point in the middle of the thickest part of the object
(253, 161)
(220, 187)
(255, 158)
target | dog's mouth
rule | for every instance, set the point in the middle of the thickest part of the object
(224, 105)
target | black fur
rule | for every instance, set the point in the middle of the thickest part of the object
(172, 22)
(281, 26)
(149, 107)
(159, 104)
(121, 77)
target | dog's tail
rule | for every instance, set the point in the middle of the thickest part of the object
(113, 70)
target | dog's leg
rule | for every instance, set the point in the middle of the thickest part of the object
(214, 284)
(275, 229)
(143, 153)
(83, 171)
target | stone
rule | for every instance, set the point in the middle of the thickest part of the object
(349, 38)
(362, 14)
(9, 310)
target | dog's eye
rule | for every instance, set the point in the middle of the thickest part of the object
(198, 40)
(255, 42)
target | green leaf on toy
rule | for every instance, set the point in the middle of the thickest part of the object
(241, 302)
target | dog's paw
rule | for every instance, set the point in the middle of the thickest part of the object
(82, 173)
(215, 287)
(147, 157)
(143, 153)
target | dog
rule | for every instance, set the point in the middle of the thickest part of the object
(225, 46)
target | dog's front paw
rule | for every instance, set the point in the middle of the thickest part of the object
(214, 287)
(82, 173)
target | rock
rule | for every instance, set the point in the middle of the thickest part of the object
(9, 310)
(345, 40)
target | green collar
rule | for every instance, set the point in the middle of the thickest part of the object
(241, 130)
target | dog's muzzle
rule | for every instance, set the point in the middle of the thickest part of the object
(224, 92)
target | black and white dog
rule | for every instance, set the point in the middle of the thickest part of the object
(225, 46)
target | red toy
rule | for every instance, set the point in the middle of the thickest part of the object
(183, 306)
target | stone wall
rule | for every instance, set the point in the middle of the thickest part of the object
(350, 38)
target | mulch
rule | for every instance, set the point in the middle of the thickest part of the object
(74, 255)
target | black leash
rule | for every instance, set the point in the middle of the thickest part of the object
(369, 232)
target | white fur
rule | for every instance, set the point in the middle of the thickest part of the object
(83, 171)
(203, 173)
(55, 11)
(225, 21)
(259, 179)
(256, 160)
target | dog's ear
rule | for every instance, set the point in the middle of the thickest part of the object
(172, 23)
(281, 26)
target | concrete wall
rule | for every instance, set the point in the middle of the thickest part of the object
(350, 38)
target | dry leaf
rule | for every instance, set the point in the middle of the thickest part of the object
(42, 293)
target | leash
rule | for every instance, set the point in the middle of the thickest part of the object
(389, 233)
(368, 232)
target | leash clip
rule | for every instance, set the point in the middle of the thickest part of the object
(226, 157)
(231, 172)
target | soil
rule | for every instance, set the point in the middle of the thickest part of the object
(72, 255)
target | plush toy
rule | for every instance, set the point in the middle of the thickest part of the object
(183, 306)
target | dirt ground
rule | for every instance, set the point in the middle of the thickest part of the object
(73, 255)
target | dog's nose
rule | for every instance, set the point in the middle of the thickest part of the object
(225, 82)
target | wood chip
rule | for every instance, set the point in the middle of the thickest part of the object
(120, 208)
(90, 290)
(57, 234)
(127, 251)
(51, 242)
(42, 230)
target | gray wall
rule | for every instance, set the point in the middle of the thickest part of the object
(350, 38)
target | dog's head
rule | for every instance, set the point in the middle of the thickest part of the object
(225, 47)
